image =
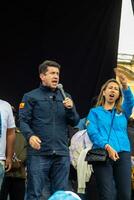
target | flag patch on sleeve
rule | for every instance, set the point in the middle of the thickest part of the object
(22, 105)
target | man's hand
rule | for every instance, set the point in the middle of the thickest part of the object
(9, 148)
(35, 142)
(8, 164)
(68, 103)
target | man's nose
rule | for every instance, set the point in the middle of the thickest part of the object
(56, 76)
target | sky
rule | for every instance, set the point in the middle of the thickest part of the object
(126, 38)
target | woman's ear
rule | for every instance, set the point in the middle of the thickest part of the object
(41, 76)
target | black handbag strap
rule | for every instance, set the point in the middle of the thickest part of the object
(113, 114)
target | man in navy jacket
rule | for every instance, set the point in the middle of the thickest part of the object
(44, 118)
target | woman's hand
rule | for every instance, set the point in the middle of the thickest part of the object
(111, 152)
(122, 78)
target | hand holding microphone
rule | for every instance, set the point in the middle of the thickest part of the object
(68, 103)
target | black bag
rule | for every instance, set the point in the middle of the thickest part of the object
(96, 155)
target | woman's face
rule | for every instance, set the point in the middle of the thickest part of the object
(111, 93)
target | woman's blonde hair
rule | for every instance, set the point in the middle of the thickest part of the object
(101, 97)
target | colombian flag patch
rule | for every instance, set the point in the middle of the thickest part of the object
(21, 105)
(87, 122)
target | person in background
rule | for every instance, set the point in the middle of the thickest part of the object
(14, 180)
(83, 182)
(131, 134)
(82, 124)
(45, 114)
(131, 137)
(109, 108)
(7, 138)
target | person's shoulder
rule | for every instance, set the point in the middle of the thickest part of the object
(5, 107)
(96, 108)
(32, 92)
(82, 124)
(4, 103)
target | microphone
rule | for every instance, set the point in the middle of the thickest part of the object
(60, 87)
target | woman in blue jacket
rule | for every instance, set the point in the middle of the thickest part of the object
(110, 113)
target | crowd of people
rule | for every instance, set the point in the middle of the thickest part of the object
(35, 153)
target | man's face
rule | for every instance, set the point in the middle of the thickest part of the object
(51, 77)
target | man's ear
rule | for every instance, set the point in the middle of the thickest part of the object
(41, 75)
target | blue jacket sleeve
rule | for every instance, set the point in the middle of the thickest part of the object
(128, 102)
(72, 116)
(93, 131)
(25, 115)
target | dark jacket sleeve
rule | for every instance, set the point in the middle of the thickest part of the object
(25, 115)
(72, 115)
